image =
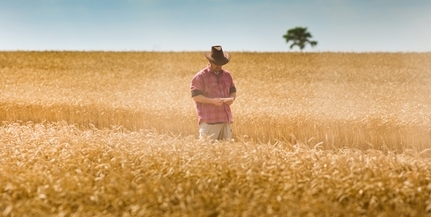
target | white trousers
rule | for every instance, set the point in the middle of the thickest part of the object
(221, 131)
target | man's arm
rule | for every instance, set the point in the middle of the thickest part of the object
(229, 100)
(203, 99)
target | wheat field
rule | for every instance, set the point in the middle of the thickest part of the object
(115, 134)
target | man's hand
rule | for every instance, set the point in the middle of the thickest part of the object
(214, 101)
(217, 101)
(228, 101)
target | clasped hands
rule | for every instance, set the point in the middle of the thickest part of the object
(220, 101)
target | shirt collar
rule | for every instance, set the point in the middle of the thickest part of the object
(209, 69)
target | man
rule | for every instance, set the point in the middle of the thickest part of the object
(214, 92)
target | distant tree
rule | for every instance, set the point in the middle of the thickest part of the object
(300, 37)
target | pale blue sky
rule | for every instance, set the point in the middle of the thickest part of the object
(195, 25)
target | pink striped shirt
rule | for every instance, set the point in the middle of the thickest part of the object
(213, 85)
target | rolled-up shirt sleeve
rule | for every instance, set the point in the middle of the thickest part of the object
(232, 90)
(196, 93)
(196, 86)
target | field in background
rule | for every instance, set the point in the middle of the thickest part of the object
(115, 134)
(360, 100)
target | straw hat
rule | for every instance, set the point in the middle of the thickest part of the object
(217, 56)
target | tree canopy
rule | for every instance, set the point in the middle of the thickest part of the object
(299, 36)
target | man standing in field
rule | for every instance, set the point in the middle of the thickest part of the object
(213, 91)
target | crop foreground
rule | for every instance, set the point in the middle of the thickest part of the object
(62, 170)
(115, 134)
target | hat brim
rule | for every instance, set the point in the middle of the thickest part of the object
(221, 61)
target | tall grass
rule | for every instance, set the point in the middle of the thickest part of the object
(361, 100)
(62, 170)
(115, 134)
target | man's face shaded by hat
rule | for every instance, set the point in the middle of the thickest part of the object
(217, 56)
